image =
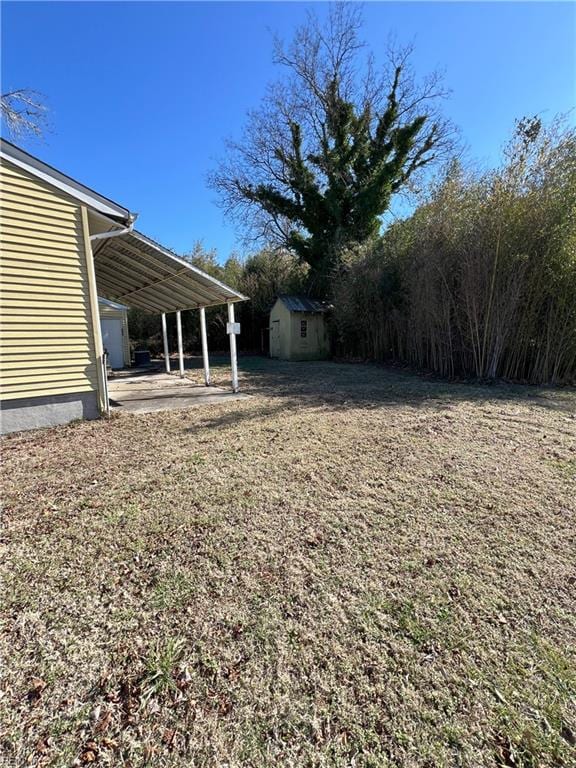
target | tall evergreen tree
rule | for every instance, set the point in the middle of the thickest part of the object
(321, 159)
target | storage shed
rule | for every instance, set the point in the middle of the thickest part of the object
(114, 327)
(298, 328)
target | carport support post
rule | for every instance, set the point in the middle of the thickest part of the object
(204, 337)
(180, 348)
(233, 356)
(165, 338)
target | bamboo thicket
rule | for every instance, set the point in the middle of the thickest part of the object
(481, 280)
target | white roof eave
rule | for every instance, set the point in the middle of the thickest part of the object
(13, 154)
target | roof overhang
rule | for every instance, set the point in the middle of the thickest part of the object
(131, 269)
(13, 154)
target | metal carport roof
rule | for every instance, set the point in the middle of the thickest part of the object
(132, 269)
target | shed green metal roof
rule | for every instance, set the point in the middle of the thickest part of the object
(303, 303)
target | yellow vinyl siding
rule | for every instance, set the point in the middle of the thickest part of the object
(42, 359)
(71, 272)
(12, 309)
(28, 350)
(14, 298)
(36, 211)
(35, 237)
(15, 223)
(15, 367)
(22, 266)
(40, 206)
(38, 375)
(39, 287)
(46, 337)
(37, 389)
(56, 246)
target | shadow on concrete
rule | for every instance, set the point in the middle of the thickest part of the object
(160, 391)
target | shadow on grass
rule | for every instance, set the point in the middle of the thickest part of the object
(342, 386)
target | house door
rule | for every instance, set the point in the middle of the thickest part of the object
(112, 340)
(275, 338)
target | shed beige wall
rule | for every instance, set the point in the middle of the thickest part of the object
(315, 345)
(122, 314)
(47, 340)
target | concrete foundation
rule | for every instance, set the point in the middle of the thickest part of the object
(36, 412)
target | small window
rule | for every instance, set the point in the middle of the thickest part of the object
(303, 328)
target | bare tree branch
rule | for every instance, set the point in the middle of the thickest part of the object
(24, 113)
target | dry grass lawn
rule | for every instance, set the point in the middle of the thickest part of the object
(355, 567)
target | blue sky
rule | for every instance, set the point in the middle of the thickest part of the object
(143, 95)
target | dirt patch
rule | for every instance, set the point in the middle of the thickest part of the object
(354, 567)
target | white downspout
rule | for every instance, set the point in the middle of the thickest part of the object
(105, 236)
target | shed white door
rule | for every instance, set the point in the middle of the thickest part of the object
(275, 338)
(112, 340)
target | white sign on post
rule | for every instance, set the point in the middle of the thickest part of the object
(233, 328)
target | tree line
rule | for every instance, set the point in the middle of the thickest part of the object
(479, 280)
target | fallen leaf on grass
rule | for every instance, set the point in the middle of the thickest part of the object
(104, 722)
(505, 752)
(148, 752)
(88, 756)
(109, 743)
(499, 696)
(37, 685)
(43, 746)
(168, 736)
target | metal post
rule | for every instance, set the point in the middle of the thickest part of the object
(180, 348)
(204, 337)
(233, 357)
(165, 338)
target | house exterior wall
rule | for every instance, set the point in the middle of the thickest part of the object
(47, 342)
(288, 343)
(122, 314)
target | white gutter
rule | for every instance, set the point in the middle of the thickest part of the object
(116, 232)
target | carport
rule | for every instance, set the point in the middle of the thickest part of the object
(133, 270)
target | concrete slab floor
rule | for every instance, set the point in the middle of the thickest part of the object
(143, 393)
